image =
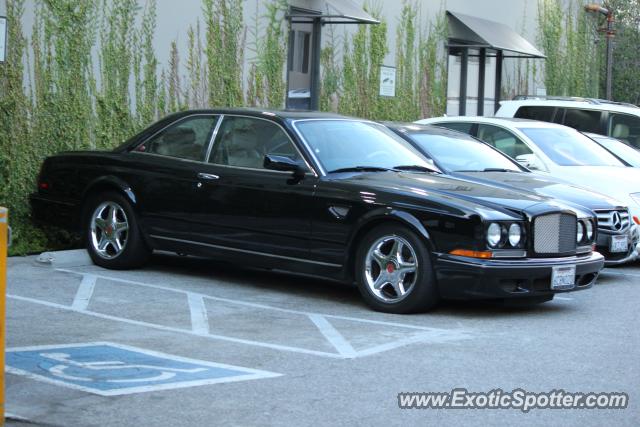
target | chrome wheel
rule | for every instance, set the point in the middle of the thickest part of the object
(109, 230)
(391, 268)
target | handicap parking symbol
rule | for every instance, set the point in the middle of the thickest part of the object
(109, 369)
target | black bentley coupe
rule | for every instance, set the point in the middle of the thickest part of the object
(461, 155)
(318, 194)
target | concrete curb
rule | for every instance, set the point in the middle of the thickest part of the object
(71, 258)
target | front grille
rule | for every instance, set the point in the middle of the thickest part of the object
(609, 221)
(554, 234)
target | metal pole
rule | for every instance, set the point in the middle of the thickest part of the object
(498, 84)
(462, 108)
(610, 34)
(481, 74)
(4, 243)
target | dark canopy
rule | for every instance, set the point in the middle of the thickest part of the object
(482, 33)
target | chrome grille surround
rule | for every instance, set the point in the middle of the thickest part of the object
(554, 233)
(607, 220)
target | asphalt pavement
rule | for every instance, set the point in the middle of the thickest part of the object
(194, 342)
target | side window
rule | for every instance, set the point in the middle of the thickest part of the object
(186, 139)
(244, 141)
(460, 127)
(583, 120)
(624, 127)
(544, 114)
(503, 140)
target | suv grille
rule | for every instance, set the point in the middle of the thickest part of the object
(554, 233)
(613, 220)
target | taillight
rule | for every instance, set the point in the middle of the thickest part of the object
(43, 185)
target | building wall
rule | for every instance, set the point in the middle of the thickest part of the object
(174, 17)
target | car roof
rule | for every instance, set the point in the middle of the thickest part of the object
(265, 112)
(586, 104)
(410, 127)
(504, 121)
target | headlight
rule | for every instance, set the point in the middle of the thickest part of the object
(580, 232)
(635, 197)
(515, 234)
(494, 234)
(589, 227)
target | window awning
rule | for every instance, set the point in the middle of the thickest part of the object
(340, 12)
(470, 31)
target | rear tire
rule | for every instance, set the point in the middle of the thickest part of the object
(112, 234)
(394, 271)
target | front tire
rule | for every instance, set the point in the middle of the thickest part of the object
(394, 271)
(112, 234)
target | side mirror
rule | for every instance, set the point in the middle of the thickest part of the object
(282, 163)
(529, 161)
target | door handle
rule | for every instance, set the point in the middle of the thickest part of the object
(208, 176)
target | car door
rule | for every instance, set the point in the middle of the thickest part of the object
(164, 177)
(249, 208)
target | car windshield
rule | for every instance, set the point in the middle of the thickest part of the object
(345, 144)
(620, 149)
(462, 153)
(568, 147)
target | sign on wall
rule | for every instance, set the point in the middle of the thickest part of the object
(387, 81)
(3, 38)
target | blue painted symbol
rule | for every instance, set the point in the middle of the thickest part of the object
(112, 369)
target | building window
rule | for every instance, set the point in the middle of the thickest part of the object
(301, 49)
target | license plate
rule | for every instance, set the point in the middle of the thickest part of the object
(563, 278)
(618, 244)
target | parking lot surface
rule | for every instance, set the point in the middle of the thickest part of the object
(190, 341)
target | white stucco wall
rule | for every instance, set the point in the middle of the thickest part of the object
(174, 17)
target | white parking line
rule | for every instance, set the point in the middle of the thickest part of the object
(255, 305)
(199, 318)
(200, 323)
(333, 336)
(178, 330)
(84, 293)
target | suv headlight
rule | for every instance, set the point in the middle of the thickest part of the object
(635, 197)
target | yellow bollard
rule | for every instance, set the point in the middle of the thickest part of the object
(4, 233)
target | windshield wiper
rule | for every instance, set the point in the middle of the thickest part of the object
(417, 168)
(499, 170)
(487, 170)
(361, 169)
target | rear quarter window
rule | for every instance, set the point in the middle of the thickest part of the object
(460, 127)
(544, 114)
(583, 120)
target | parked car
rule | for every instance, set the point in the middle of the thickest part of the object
(624, 152)
(559, 151)
(319, 194)
(615, 119)
(460, 155)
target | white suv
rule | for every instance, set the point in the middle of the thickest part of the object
(618, 120)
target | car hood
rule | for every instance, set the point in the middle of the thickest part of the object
(545, 186)
(616, 182)
(440, 191)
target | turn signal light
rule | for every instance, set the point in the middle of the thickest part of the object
(472, 254)
(635, 218)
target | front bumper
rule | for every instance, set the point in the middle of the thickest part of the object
(603, 243)
(463, 277)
